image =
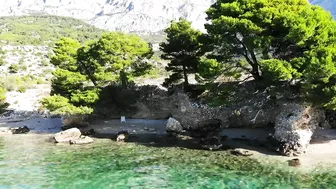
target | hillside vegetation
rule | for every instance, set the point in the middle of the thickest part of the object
(288, 43)
(44, 30)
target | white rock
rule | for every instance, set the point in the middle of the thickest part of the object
(68, 135)
(294, 127)
(173, 126)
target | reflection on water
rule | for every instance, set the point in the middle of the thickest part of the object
(31, 161)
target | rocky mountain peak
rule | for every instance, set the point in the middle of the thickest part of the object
(141, 16)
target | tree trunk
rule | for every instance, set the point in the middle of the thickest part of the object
(123, 79)
(185, 75)
(255, 72)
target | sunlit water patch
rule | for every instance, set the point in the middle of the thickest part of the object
(32, 161)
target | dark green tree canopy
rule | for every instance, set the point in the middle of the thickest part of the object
(112, 57)
(260, 30)
(65, 52)
(84, 70)
(182, 49)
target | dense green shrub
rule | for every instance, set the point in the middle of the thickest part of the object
(277, 41)
(44, 63)
(268, 35)
(14, 68)
(60, 105)
(84, 70)
(2, 61)
(22, 89)
(3, 103)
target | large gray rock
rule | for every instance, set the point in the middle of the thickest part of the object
(173, 126)
(294, 127)
(67, 135)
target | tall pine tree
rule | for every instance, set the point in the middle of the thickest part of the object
(182, 49)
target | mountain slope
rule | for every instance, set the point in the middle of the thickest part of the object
(43, 30)
(141, 16)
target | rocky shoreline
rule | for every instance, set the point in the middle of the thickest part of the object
(239, 141)
(293, 121)
(283, 126)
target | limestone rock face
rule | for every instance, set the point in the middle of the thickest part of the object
(67, 135)
(173, 126)
(194, 116)
(294, 127)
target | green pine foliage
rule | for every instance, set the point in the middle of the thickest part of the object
(112, 57)
(60, 105)
(277, 41)
(261, 30)
(84, 70)
(183, 49)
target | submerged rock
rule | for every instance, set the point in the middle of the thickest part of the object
(239, 152)
(82, 140)
(122, 136)
(173, 126)
(294, 162)
(294, 127)
(211, 142)
(90, 132)
(206, 128)
(67, 135)
(20, 130)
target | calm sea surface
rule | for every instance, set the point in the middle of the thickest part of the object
(31, 161)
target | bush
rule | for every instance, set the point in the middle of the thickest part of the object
(2, 61)
(22, 89)
(17, 83)
(21, 61)
(23, 67)
(61, 106)
(45, 63)
(14, 68)
(40, 81)
(3, 103)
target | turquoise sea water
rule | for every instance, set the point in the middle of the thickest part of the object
(31, 161)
